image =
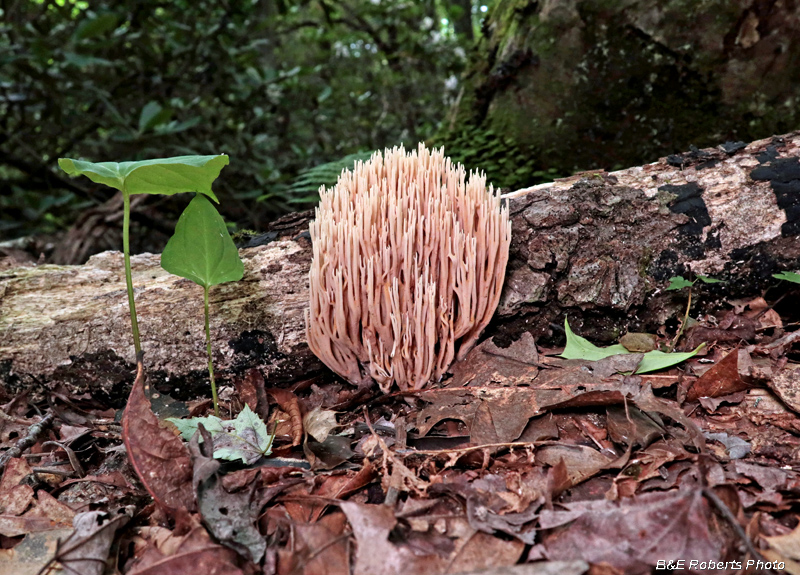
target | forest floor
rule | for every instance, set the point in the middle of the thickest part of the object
(520, 457)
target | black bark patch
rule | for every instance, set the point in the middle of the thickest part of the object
(690, 158)
(768, 155)
(731, 148)
(783, 174)
(10, 382)
(712, 240)
(105, 375)
(689, 201)
(258, 348)
(708, 164)
(667, 265)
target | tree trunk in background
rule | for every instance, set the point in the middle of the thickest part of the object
(562, 85)
(598, 248)
(463, 23)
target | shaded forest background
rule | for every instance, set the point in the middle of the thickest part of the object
(295, 90)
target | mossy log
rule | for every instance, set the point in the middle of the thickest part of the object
(599, 247)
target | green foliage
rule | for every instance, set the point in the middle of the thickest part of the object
(282, 86)
(793, 277)
(506, 164)
(245, 438)
(580, 348)
(306, 187)
(708, 280)
(165, 176)
(202, 249)
(678, 282)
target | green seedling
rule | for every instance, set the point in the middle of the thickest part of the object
(165, 176)
(580, 348)
(245, 438)
(677, 283)
(201, 250)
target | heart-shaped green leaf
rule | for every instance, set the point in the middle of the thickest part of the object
(201, 249)
(165, 176)
(677, 282)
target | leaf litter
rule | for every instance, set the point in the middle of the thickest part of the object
(603, 460)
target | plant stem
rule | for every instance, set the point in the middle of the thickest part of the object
(208, 348)
(126, 221)
(683, 323)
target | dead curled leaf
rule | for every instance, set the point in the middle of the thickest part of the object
(86, 550)
(287, 401)
(159, 457)
(319, 422)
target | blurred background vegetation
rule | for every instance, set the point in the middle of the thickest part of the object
(295, 90)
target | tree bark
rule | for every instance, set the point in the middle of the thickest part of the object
(598, 247)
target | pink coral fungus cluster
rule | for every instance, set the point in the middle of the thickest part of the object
(408, 264)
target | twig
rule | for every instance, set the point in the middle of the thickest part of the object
(34, 432)
(12, 419)
(737, 528)
(73, 459)
(788, 339)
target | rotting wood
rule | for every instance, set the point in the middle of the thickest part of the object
(599, 247)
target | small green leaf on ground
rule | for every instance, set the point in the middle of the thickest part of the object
(658, 360)
(677, 282)
(202, 249)
(788, 276)
(245, 437)
(580, 348)
(708, 280)
(165, 176)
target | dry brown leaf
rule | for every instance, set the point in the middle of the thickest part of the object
(633, 534)
(500, 414)
(375, 553)
(287, 401)
(722, 379)
(787, 545)
(487, 363)
(16, 500)
(320, 548)
(16, 470)
(86, 550)
(190, 553)
(581, 461)
(159, 457)
(319, 422)
(786, 385)
(33, 553)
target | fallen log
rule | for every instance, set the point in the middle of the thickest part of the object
(599, 247)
